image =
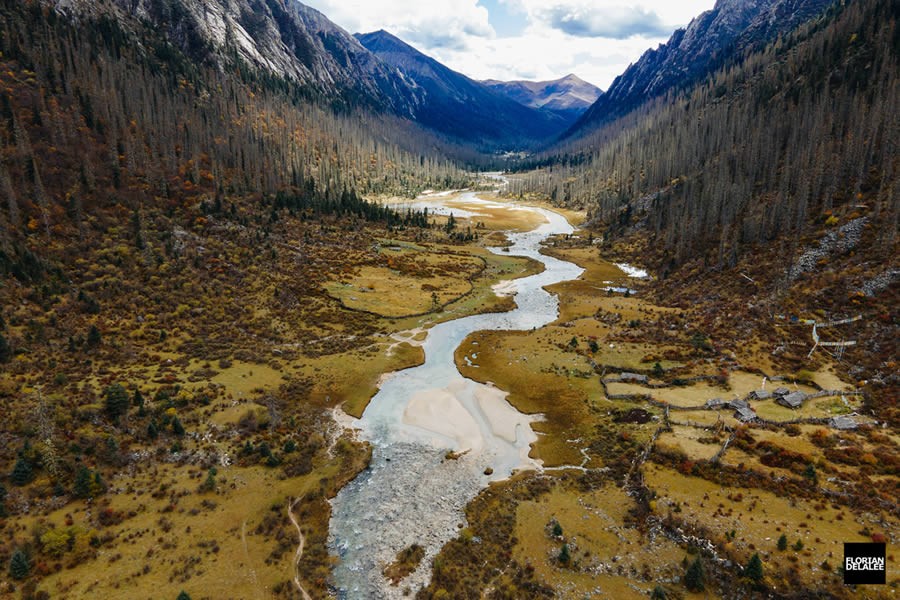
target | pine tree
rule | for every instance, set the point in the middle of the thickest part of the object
(82, 487)
(19, 565)
(694, 577)
(117, 401)
(22, 472)
(782, 542)
(177, 427)
(183, 596)
(94, 338)
(6, 352)
(152, 430)
(138, 400)
(754, 568)
(564, 556)
(659, 593)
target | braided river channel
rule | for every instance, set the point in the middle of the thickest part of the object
(411, 494)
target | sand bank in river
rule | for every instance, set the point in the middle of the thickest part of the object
(469, 414)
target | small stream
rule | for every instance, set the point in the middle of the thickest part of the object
(411, 493)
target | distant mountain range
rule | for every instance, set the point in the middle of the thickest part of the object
(286, 39)
(377, 71)
(463, 107)
(568, 97)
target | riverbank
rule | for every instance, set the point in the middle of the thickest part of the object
(438, 439)
(657, 469)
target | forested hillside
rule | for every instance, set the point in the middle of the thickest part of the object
(94, 119)
(713, 39)
(769, 147)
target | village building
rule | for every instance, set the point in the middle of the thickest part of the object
(633, 377)
(715, 403)
(843, 422)
(745, 414)
(792, 400)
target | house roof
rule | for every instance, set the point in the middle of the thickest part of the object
(635, 376)
(745, 414)
(793, 400)
(843, 422)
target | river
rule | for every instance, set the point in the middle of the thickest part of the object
(413, 494)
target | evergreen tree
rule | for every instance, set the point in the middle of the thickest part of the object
(183, 596)
(19, 565)
(138, 400)
(22, 472)
(177, 427)
(810, 473)
(117, 401)
(82, 487)
(694, 577)
(6, 352)
(659, 593)
(564, 556)
(152, 430)
(782, 542)
(754, 568)
(94, 338)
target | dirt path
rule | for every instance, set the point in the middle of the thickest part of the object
(302, 542)
(247, 557)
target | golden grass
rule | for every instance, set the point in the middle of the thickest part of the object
(759, 517)
(688, 440)
(415, 281)
(165, 542)
(828, 406)
(592, 526)
(506, 217)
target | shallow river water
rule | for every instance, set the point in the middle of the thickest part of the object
(411, 493)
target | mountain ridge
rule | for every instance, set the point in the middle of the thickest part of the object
(569, 96)
(283, 38)
(454, 103)
(709, 41)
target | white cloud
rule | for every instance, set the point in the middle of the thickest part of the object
(537, 55)
(618, 22)
(447, 22)
(670, 13)
(595, 39)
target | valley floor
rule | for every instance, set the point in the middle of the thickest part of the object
(647, 466)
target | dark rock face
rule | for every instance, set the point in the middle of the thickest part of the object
(709, 41)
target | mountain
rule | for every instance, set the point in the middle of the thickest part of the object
(568, 97)
(761, 152)
(279, 38)
(711, 40)
(462, 107)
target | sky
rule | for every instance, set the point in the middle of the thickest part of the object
(522, 39)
